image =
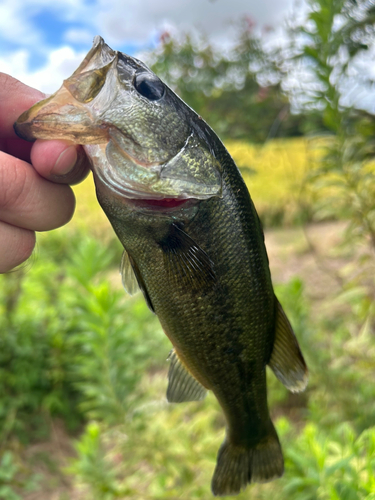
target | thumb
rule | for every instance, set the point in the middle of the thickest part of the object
(60, 161)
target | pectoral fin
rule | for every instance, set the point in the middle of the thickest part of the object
(186, 262)
(132, 279)
(182, 385)
(286, 360)
(129, 279)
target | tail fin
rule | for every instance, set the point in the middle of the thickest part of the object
(237, 465)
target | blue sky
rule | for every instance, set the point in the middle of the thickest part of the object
(43, 41)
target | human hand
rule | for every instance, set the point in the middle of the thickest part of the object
(34, 178)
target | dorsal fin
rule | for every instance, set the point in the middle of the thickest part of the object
(129, 279)
(186, 261)
(286, 359)
(182, 385)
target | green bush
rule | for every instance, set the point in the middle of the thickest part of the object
(69, 343)
(336, 466)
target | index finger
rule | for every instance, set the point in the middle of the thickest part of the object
(15, 98)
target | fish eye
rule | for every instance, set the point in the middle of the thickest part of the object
(149, 86)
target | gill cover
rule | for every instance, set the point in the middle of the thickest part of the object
(135, 130)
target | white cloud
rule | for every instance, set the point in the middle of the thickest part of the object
(15, 64)
(119, 22)
(139, 22)
(134, 20)
(15, 26)
(60, 65)
(82, 36)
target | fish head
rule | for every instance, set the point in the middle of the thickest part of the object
(142, 140)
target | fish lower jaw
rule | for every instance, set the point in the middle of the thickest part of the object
(133, 187)
(137, 194)
(144, 202)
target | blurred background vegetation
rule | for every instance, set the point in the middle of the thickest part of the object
(83, 367)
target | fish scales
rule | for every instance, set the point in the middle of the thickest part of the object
(193, 244)
(239, 270)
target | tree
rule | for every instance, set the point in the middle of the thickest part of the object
(223, 86)
(336, 34)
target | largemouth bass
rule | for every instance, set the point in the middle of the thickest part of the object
(192, 242)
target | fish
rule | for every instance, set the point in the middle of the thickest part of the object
(193, 244)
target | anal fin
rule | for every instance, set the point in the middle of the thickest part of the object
(182, 385)
(286, 359)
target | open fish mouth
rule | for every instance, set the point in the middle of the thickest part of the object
(126, 119)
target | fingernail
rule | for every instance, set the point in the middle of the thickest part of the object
(65, 162)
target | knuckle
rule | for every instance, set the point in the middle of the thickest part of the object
(27, 245)
(13, 181)
(17, 245)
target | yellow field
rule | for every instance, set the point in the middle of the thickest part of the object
(273, 172)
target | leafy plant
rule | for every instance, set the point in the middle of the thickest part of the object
(93, 468)
(8, 471)
(66, 337)
(334, 36)
(336, 466)
(14, 478)
(114, 341)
